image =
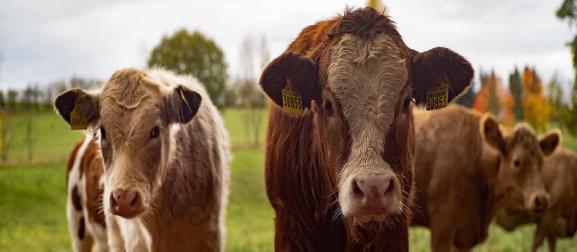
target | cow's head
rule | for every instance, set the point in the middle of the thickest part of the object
(359, 88)
(133, 115)
(520, 163)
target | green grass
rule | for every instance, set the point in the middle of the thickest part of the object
(32, 213)
(32, 195)
(50, 142)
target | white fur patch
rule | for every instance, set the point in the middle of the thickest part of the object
(92, 229)
(367, 77)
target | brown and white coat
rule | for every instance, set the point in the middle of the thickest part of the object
(165, 156)
(85, 185)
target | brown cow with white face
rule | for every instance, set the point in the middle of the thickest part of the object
(560, 219)
(340, 137)
(467, 168)
(165, 155)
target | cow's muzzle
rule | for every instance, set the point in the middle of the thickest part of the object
(125, 203)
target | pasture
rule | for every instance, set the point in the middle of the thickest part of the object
(32, 192)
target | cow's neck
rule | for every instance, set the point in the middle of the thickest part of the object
(492, 191)
(186, 202)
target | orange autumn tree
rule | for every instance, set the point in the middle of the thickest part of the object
(494, 99)
(536, 109)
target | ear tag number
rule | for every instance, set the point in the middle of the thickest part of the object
(291, 101)
(437, 98)
(78, 121)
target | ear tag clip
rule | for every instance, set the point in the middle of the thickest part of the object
(437, 98)
(78, 121)
(291, 101)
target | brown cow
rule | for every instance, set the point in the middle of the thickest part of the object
(466, 168)
(340, 138)
(560, 219)
(85, 184)
(165, 155)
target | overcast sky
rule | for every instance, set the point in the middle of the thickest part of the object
(43, 41)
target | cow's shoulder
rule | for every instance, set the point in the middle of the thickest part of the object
(71, 159)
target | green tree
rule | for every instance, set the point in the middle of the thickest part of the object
(2, 100)
(555, 99)
(569, 113)
(568, 12)
(12, 99)
(193, 53)
(516, 89)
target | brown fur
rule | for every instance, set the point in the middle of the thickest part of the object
(560, 219)
(464, 173)
(86, 199)
(305, 154)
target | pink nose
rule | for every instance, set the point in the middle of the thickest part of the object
(125, 203)
(374, 191)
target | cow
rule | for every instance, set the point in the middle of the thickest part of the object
(340, 137)
(85, 185)
(165, 156)
(467, 167)
(560, 219)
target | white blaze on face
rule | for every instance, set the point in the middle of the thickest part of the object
(367, 78)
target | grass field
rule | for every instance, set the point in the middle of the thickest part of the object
(32, 193)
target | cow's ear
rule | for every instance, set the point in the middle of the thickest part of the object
(297, 75)
(549, 141)
(439, 76)
(182, 104)
(78, 108)
(492, 133)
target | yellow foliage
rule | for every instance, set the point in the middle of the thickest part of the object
(536, 108)
(494, 99)
(377, 5)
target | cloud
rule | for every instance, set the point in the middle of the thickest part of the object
(43, 43)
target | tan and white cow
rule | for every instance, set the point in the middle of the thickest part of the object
(165, 155)
(85, 184)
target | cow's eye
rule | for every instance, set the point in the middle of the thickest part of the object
(516, 163)
(407, 104)
(154, 132)
(102, 133)
(328, 108)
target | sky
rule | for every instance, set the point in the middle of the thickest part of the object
(45, 41)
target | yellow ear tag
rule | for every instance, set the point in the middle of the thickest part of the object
(78, 121)
(291, 101)
(437, 98)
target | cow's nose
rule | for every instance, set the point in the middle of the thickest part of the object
(374, 191)
(125, 203)
(540, 203)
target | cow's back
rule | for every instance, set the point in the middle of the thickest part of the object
(448, 145)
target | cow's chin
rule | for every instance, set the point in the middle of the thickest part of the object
(361, 217)
(367, 219)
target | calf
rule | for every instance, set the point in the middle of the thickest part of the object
(467, 168)
(560, 219)
(340, 140)
(85, 184)
(165, 156)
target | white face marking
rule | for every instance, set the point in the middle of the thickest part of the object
(367, 77)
